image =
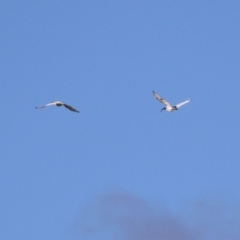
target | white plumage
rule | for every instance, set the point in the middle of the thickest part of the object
(167, 105)
(58, 104)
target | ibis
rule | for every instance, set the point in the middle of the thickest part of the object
(58, 104)
(168, 107)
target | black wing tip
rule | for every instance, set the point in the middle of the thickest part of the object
(70, 108)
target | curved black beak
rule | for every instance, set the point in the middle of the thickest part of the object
(163, 108)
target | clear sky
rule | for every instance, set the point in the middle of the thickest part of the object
(120, 169)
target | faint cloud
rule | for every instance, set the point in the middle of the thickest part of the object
(124, 216)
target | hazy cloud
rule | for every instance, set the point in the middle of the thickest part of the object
(125, 216)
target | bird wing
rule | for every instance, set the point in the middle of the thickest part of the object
(183, 103)
(70, 108)
(160, 99)
(49, 104)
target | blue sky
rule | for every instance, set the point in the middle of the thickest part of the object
(120, 169)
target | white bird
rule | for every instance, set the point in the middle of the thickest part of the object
(168, 106)
(58, 104)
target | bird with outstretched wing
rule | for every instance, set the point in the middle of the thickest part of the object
(59, 104)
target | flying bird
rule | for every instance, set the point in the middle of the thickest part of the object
(58, 104)
(167, 105)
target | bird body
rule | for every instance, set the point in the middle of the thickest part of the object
(168, 107)
(58, 104)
